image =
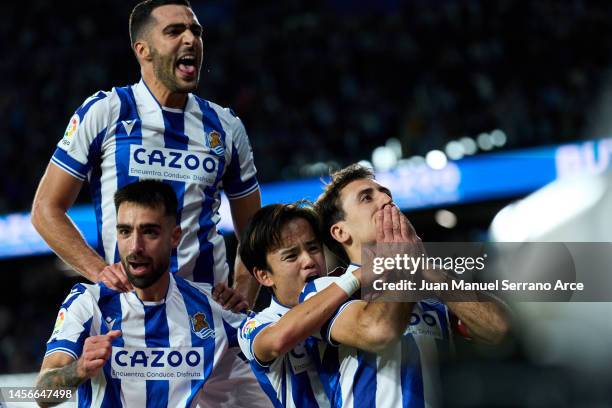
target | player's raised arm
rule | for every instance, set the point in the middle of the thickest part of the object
(487, 320)
(306, 318)
(56, 193)
(242, 210)
(379, 323)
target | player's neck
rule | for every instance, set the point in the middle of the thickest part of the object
(156, 291)
(163, 95)
(354, 253)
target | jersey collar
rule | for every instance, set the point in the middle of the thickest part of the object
(144, 92)
(277, 306)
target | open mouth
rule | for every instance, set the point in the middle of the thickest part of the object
(187, 65)
(312, 277)
(139, 266)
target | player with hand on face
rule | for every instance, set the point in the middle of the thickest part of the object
(283, 249)
(404, 374)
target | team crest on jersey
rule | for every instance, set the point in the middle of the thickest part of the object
(200, 326)
(214, 142)
(59, 322)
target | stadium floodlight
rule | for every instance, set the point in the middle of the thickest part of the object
(366, 163)
(469, 145)
(395, 145)
(446, 219)
(454, 150)
(484, 141)
(436, 159)
(498, 138)
(384, 158)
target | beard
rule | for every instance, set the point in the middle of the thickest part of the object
(143, 282)
(165, 71)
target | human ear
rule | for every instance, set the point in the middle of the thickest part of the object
(264, 277)
(340, 233)
(142, 50)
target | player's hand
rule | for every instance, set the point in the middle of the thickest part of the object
(393, 226)
(229, 298)
(114, 277)
(395, 235)
(96, 352)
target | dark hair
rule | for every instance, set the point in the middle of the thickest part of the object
(149, 193)
(263, 233)
(329, 205)
(141, 14)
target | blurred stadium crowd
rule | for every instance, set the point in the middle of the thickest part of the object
(319, 81)
(312, 81)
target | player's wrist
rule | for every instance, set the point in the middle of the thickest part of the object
(80, 370)
(349, 283)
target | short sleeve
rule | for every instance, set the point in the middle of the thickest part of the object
(73, 323)
(240, 179)
(82, 139)
(311, 289)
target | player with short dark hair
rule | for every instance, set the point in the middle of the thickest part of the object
(141, 15)
(156, 346)
(405, 373)
(329, 205)
(282, 248)
(154, 129)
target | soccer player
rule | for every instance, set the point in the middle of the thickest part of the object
(405, 373)
(283, 248)
(153, 129)
(155, 346)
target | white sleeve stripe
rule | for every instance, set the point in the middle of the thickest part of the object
(243, 194)
(62, 350)
(329, 330)
(67, 169)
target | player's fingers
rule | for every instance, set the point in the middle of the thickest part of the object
(118, 277)
(378, 220)
(404, 229)
(395, 224)
(93, 366)
(113, 334)
(240, 306)
(119, 272)
(110, 280)
(92, 342)
(387, 223)
(218, 291)
(233, 301)
(407, 231)
(96, 353)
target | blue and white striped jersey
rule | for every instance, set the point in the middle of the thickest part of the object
(291, 380)
(404, 375)
(118, 137)
(166, 352)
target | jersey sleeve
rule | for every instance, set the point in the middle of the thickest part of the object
(83, 137)
(73, 323)
(249, 329)
(231, 324)
(310, 290)
(240, 179)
